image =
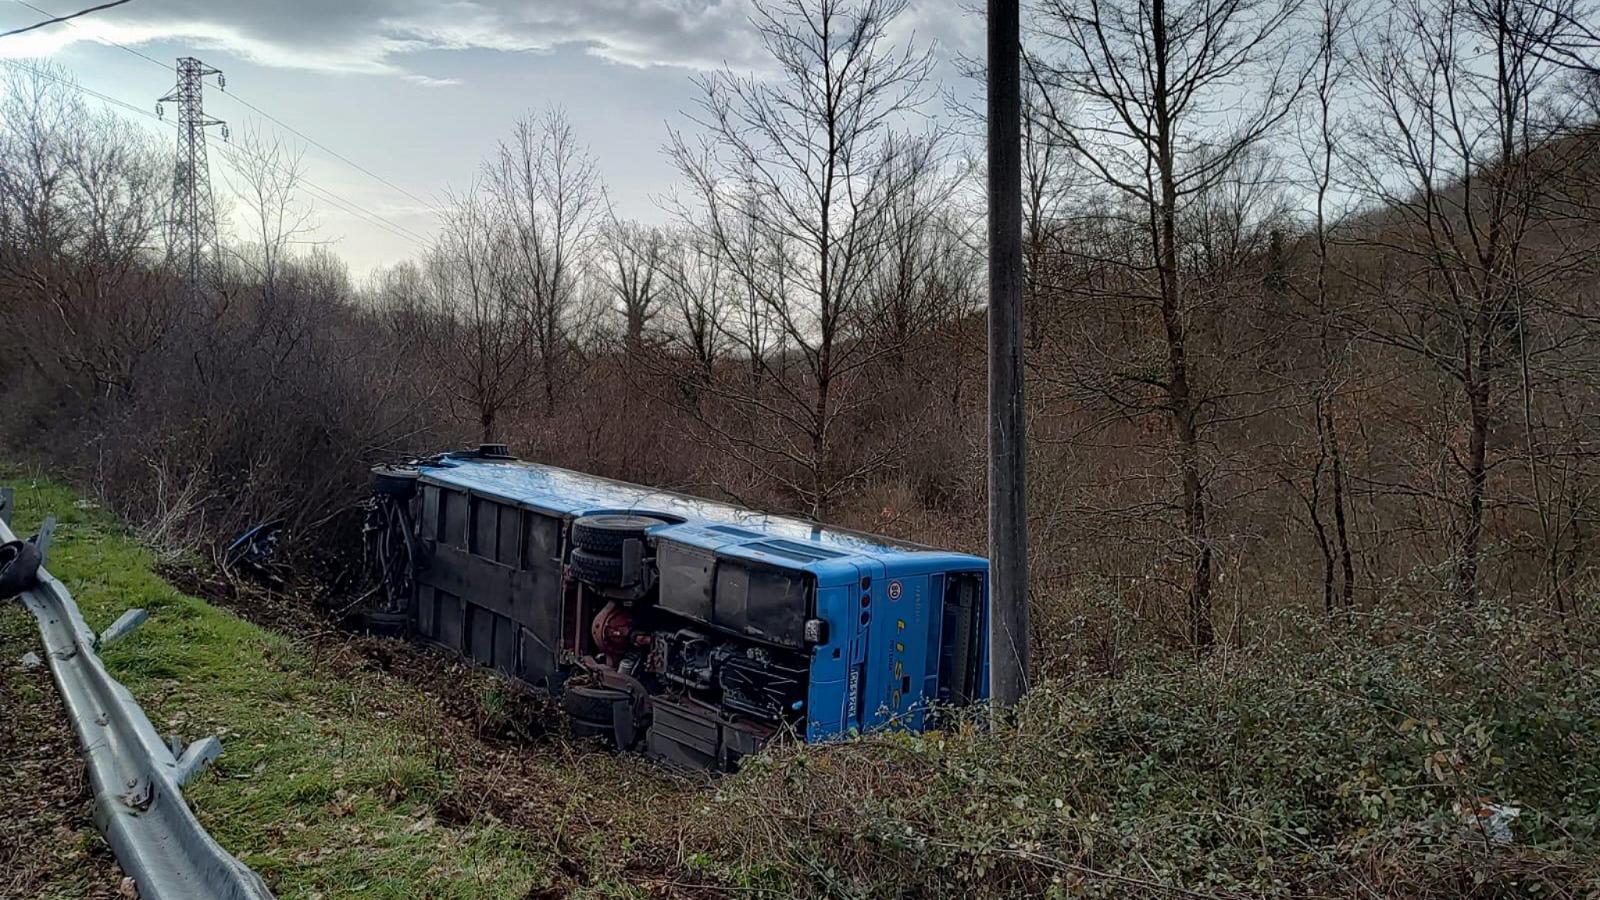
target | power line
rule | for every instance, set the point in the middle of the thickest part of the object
(67, 82)
(432, 207)
(350, 207)
(66, 18)
(46, 12)
(334, 153)
(354, 209)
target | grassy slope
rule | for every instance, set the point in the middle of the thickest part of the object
(1334, 766)
(321, 788)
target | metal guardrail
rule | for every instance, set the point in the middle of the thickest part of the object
(136, 776)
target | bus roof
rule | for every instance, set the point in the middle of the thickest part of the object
(699, 521)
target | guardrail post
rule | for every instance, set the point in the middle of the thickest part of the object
(47, 531)
(195, 758)
(123, 626)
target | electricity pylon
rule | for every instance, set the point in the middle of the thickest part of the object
(193, 233)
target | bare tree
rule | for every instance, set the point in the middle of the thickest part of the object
(1564, 32)
(696, 280)
(267, 178)
(1048, 182)
(1320, 138)
(759, 268)
(1465, 159)
(632, 257)
(547, 190)
(81, 196)
(484, 330)
(397, 289)
(1173, 95)
(796, 173)
(904, 297)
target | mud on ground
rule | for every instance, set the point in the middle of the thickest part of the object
(49, 847)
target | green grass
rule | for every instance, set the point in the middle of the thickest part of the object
(1334, 761)
(322, 787)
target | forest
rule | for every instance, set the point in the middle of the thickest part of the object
(1312, 313)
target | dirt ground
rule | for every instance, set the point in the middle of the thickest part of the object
(49, 847)
(515, 763)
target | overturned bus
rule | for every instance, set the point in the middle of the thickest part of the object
(693, 630)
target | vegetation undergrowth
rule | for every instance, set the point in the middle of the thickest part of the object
(319, 788)
(1447, 756)
(1381, 755)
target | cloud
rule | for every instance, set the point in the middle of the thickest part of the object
(377, 36)
(430, 81)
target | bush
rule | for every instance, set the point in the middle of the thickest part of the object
(1340, 761)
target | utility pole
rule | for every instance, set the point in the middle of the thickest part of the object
(194, 219)
(1008, 447)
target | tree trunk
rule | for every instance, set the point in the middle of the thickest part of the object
(1314, 507)
(819, 441)
(635, 328)
(1477, 477)
(1180, 402)
(547, 362)
(1341, 530)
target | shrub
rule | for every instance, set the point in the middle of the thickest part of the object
(1338, 761)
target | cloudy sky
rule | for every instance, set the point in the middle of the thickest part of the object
(418, 91)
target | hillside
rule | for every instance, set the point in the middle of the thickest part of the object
(1316, 765)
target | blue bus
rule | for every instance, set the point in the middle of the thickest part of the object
(693, 630)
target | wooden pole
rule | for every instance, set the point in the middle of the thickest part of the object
(1008, 507)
